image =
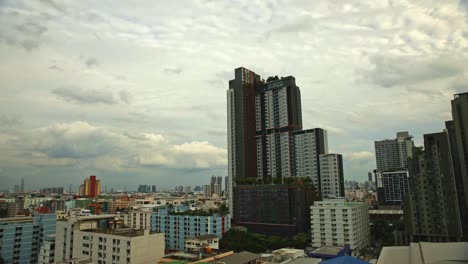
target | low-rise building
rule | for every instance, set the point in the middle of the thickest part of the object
(21, 237)
(204, 243)
(104, 239)
(425, 252)
(184, 225)
(336, 222)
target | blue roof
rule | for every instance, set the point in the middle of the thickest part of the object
(345, 260)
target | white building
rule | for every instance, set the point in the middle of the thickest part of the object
(332, 177)
(197, 244)
(425, 252)
(393, 153)
(140, 218)
(336, 222)
(102, 239)
(47, 250)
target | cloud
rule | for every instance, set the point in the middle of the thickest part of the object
(360, 155)
(7, 122)
(125, 96)
(173, 70)
(91, 62)
(54, 5)
(392, 70)
(75, 140)
(29, 44)
(80, 95)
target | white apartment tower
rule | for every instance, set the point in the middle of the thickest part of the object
(393, 153)
(336, 222)
(332, 177)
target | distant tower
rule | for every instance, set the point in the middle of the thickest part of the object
(219, 180)
(370, 176)
(213, 179)
(22, 185)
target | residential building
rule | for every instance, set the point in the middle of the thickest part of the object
(393, 153)
(178, 227)
(332, 177)
(110, 245)
(207, 190)
(103, 239)
(432, 210)
(91, 187)
(281, 209)
(336, 222)
(21, 237)
(265, 136)
(458, 134)
(47, 250)
(202, 243)
(395, 186)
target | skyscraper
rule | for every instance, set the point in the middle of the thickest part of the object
(458, 134)
(392, 153)
(431, 210)
(266, 143)
(265, 136)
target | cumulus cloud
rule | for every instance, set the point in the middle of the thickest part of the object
(75, 140)
(85, 96)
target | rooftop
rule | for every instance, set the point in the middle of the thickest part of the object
(327, 250)
(240, 258)
(125, 232)
(426, 252)
(22, 219)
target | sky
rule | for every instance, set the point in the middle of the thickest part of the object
(134, 92)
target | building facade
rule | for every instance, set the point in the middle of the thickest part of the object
(336, 222)
(332, 177)
(395, 186)
(274, 209)
(265, 136)
(392, 154)
(178, 227)
(458, 133)
(21, 237)
(431, 210)
(91, 187)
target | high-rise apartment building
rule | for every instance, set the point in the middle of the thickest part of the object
(332, 177)
(458, 133)
(91, 187)
(265, 136)
(393, 153)
(336, 222)
(431, 210)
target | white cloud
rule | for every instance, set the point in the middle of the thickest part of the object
(360, 155)
(177, 63)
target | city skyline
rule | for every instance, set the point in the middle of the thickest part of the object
(139, 96)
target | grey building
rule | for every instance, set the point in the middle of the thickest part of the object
(458, 134)
(393, 153)
(332, 176)
(431, 210)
